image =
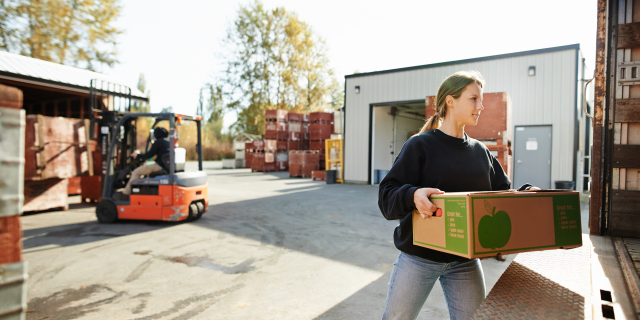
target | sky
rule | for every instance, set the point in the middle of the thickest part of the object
(176, 44)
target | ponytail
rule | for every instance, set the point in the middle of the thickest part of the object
(432, 123)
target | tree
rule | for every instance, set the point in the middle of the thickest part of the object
(337, 95)
(139, 106)
(211, 108)
(79, 33)
(273, 60)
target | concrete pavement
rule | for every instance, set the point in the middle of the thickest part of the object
(270, 247)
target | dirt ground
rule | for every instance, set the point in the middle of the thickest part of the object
(270, 247)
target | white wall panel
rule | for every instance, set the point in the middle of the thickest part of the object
(549, 97)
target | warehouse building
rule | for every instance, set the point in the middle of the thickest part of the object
(56, 90)
(384, 108)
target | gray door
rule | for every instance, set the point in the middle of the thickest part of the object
(532, 156)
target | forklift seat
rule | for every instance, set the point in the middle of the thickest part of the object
(180, 159)
(183, 179)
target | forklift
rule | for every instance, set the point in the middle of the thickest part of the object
(170, 194)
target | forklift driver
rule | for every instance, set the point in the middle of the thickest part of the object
(159, 148)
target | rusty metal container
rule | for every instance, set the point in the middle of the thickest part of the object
(90, 189)
(73, 186)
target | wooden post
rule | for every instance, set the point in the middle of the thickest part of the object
(81, 108)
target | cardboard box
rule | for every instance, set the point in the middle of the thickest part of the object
(484, 224)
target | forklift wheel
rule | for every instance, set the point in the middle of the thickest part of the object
(200, 206)
(106, 211)
(193, 212)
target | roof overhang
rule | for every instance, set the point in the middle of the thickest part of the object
(33, 82)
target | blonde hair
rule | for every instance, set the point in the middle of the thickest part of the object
(452, 86)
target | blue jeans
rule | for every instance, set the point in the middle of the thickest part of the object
(413, 278)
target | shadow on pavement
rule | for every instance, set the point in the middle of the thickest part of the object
(86, 232)
(337, 222)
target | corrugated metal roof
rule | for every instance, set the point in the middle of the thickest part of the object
(50, 73)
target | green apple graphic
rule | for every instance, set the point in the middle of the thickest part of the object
(494, 230)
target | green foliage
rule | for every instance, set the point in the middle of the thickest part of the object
(72, 32)
(143, 125)
(337, 95)
(273, 60)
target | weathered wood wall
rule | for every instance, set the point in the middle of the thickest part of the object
(625, 211)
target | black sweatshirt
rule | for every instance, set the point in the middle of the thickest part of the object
(434, 159)
(159, 148)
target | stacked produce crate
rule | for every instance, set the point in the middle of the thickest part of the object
(275, 138)
(320, 129)
(303, 162)
(249, 151)
(304, 132)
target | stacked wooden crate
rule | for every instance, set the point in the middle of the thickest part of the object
(303, 162)
(13, 272)
(320, 129)
(275, 138)
(56, 149)
(249, 152)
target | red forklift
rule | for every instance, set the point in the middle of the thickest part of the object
(171, 194)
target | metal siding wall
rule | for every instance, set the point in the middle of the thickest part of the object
(547, 98)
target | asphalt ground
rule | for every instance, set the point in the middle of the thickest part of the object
(270, 247)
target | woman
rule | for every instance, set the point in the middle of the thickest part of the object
(441, 158)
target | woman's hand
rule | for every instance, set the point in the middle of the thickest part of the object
(421, 199)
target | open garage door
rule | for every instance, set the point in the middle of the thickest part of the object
(392, 125)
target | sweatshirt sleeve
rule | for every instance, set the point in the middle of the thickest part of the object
(152, 151)
(395, 195)
(500, 180)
